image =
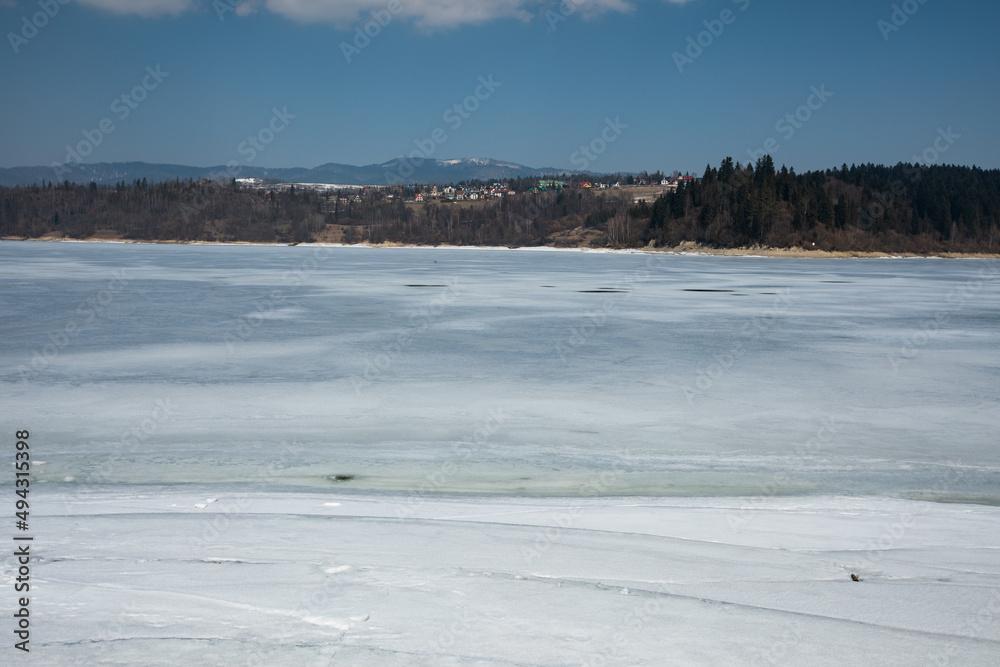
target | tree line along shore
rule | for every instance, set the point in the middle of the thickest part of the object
(904, 209)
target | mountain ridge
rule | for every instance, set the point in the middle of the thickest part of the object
(396, 171)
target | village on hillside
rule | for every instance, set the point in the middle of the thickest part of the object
(643, 188)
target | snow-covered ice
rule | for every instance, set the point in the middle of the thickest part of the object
(283, 578)
(354, 456)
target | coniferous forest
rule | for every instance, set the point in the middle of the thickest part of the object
(905, 208)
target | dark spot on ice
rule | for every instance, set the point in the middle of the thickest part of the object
(837, 282)
(601, 291)
(341, 478)
(426, 285)
(708, 290)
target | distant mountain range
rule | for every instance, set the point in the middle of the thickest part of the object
(400, 170)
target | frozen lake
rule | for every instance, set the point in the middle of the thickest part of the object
(510, 372)
(368, 456)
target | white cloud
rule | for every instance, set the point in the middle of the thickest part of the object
(440, 13)
(142, 7)
(427, 14)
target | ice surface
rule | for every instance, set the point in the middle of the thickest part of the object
(354, 456)
(125, 577)
(510, 368)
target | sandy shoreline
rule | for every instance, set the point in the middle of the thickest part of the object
(686, 248)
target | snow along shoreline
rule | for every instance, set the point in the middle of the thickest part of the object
(129, 574)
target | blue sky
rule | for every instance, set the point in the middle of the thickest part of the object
(226, 66)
